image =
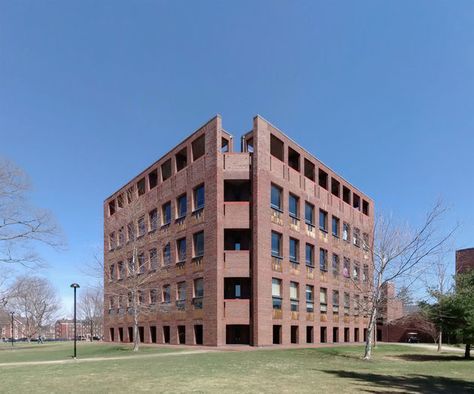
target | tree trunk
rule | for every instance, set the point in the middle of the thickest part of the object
(92, 329)
(440, 339)
(136, 337)
(467, 353)
(370, 332)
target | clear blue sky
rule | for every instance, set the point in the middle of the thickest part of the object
(92, 92)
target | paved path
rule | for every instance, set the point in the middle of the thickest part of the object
(92, 359)
(444, 348)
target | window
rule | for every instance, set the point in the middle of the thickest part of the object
(181, 296)
(309, 255)
(365, 241)
(346, 270)
(121, 236)
(111, 207)
(335, 301)
(198, 240)
(153, 179)
(112, 272)
(294, 253)
(365, 273)
(276, 147)
(323, 259)
(356, 201)
(346, 195)
(323, 220)
(141, 187)
(181, 159)
(224, 145)
(167, 254)
(153, 296)
(182, 206)
(166, 294)
(335, 226)
(335, 265)
(153, 219)
(141, 263)
(120, 200)
(181, 248)
(356, 237)
(309, 213)
(365, 306)
(276, 293)
(198, 293)
(112, 241)
(276, 198)
(335, 187)
(356, 304)
(153, 259)
(293, 159)
(323, 179)
(294, 296)
(347, 303)
(141, 226)
(309, 171)
(166, 213)
(141, 297)
(131, 266)
(166, 170)
(130, 232)
(198, 147)
(309, 298)
(121, 270)
(130, 196)
(365, 207)
(323, 299)
(199, 198)
(346, 232)
(276, 244)
(356, 271)
(293, 203)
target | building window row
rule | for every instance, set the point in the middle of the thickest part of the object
(308, 168)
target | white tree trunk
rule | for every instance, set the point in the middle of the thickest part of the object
(370, 334)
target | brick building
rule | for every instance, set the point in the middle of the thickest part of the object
(464, 260)
(6, 326)
(264, 245)
(64, 329)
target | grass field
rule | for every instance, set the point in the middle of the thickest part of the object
(395, 368)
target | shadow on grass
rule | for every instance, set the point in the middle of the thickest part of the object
(431, 357)
(412, 383)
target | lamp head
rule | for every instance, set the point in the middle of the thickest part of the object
(75, 286)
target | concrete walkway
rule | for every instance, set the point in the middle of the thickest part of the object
(433, 346)
(92, 359)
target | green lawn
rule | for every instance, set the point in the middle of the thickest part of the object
(394, 369)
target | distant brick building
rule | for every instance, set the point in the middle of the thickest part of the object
(261, 246)
(6, 326)
(464, 260)
(64, 329)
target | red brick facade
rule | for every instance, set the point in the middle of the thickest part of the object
(464, 260)
(239, 304)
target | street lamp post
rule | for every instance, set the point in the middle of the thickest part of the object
(12, 313)
(75, 286)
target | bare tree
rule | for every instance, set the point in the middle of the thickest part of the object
(131, 273)
(21, 226)
(401, 253)
(91, 310)
(35, 300)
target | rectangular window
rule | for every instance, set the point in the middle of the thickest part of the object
(347, 303)
(310, 255)
(276, 244)
(309, 213)
(356, 304)
(365, 241)
(182, 206)
(166, 170)
(181, 249)
(130, 195)
(335, 301)
(293, 203)
(346, 270)
(335, 226)
(335, 187)
(166, 213)
(141, 226)
(323, 220)
(294, 296)
(346, 232)
(166, 294)
(121, 270)
(153, 254)
(121, 236)
(111, 207)
(167, 254)
(335, 265)
(181, 296)
(323, 299)
(365, 207)
(198, 241)
(112, 272)
(131, 266)
(323, 179)
(323, 259)
(356, 237)
(198, 293)
(153, 296)
(276, 202)
(198, 147)
(130, 232)
(276, 147)
(365, 274)
(309, 298)
(199, 198)
(153, 219)
(181, 159)
(141, 263)
(356, 272)
(294, 252)
(309, 170)
(276, 293)
(153, 179)
(112, 241)
(141, 187)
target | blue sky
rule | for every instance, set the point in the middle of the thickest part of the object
(92, 92)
